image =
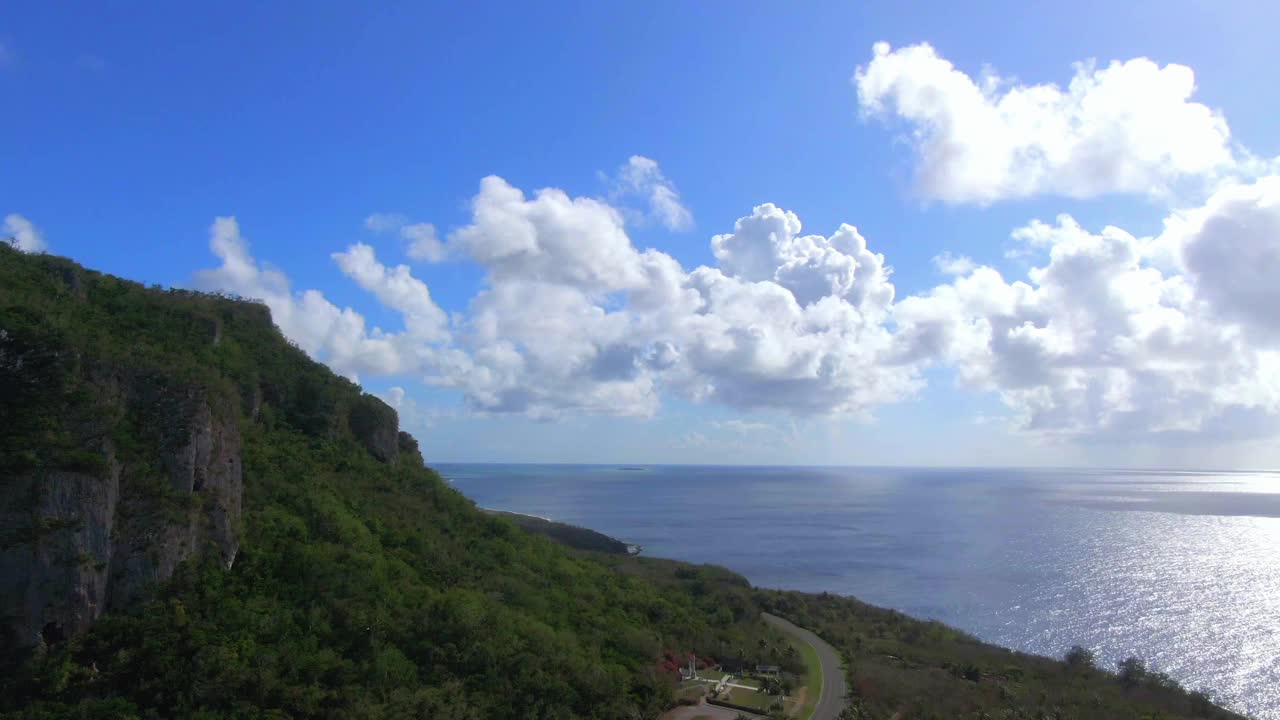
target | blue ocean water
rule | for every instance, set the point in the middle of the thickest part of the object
(1182, 569)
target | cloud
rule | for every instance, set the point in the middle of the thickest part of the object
(575, 318)
(641, 177)
(768, 246)
(339, 337)
(423, 243)
(949, 264)
(692, 440)
(742, 427)
(1128, 127)
(396, 288)
(385, 222)
(414, 416)
(1230, 249)
(1110, 339)
(572, 242)
(23, 234)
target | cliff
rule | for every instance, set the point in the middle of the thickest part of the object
(149, 473)
(197, 519)
(119, 461)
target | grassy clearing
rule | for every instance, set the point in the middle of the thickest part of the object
(750, 698)
(691, 692)
(712, 675)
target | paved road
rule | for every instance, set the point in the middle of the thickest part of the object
(831, 700)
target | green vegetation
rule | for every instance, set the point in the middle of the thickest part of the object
(566, 534)
(812, 679)
(365, 587)
(751, 699)
(897, 666)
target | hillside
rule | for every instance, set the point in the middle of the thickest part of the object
(566, 534)
(196, 520)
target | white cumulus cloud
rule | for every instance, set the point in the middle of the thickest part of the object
(1230, 249)
(422, 241)
(424, 244)
(338, 336)
(768, 245)
(1108, 338)
(575, 318)
(1128, 127)
(396, 288)
(642, 177)
(23, 234)
(949, 264)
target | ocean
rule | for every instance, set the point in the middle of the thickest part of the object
(1179, 568)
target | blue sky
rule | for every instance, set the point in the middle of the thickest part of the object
(129, 129)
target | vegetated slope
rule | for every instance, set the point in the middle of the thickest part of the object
(354, 583)
(199, 521)
(569, 535)
(900, 667)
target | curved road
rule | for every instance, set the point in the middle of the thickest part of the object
(831, 699)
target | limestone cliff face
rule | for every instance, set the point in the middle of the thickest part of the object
(153, 476)
(121, 410)
(374, 425)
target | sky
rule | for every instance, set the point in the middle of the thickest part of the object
(766, 233)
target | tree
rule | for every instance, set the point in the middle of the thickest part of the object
(855, 711)
(1201, 704)
(1080, 658)
(787, 684)
(1133, 670)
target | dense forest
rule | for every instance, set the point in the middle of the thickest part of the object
(273, 546)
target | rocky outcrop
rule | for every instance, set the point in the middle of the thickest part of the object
(374, 425)
(409, 451)
(120, 435)
(151, 475)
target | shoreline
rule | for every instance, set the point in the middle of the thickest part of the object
(634, 550)
(574, 536)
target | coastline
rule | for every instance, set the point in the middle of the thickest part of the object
(573, 536)
(565, 533)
